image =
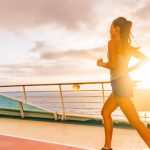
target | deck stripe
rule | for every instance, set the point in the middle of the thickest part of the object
(16, 143)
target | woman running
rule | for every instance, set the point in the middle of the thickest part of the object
(120, 51)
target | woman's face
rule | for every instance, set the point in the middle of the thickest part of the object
(114, 31)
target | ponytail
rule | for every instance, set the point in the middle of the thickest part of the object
(125, 31)
(126, 34)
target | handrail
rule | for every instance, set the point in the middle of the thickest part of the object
(47, 84)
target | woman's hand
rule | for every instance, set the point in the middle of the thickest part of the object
(100, 62)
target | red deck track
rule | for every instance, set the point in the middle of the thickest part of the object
(13, 143)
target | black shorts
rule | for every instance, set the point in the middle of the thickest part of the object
(122, 87)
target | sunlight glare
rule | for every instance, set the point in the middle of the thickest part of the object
(143, 75)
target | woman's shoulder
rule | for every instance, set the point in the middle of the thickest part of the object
(114, 43)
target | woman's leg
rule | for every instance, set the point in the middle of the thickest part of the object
(109, 106)
(130, 112)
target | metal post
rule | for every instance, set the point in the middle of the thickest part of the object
(21, 109)
(62, 102)
(103, 94)
(55, 116)
(24, 92)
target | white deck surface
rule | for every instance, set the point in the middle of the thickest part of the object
(89, 137)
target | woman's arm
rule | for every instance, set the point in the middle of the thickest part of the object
(142, 59)
(111, 64)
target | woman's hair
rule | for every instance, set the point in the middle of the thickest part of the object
(125, 30)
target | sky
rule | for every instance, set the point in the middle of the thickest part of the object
(52, 41)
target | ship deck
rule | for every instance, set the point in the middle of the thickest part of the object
(84, 136)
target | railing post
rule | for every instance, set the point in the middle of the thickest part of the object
(55, 116)
(103, 93)
(24, 92)
(62, 103)
(21, 109)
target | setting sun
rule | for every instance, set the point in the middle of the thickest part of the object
(143, 76)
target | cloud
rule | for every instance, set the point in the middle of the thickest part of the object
(48, 52)
(60, 69)
(53, 62)
(28, 14)
(141, 18)
(59, 73)
(41, 46)
(143, 11)
(72, 54)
